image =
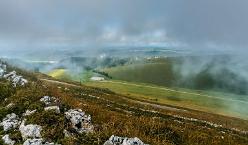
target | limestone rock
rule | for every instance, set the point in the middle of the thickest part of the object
(50, 143)
(54, 108)
(15, 79)
(10, 122)
(10, 105)
(7, 140)
(30, 130)
(28, 112)
(33, 142)
(37, 141)
(79, 120)
(116, 140)
(46, 99)
(49, 100)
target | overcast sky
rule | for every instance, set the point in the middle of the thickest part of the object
(198, 24)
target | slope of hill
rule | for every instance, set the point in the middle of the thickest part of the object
(200, 73)
(106, 114)
(207, 101)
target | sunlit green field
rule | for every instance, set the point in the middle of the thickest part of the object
(65, 74)
(59, 73)
(159, 73)
(215, 102)
(210, 101)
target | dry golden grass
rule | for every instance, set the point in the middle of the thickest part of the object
(119, 115)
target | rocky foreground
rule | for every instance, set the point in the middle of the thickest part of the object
(78, 120)
(31, 134)
(11, 76)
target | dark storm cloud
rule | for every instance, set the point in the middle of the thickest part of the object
(217, 24)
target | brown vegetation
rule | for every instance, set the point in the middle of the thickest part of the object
(119, 115)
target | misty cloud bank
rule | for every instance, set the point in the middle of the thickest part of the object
(219, 72)
(203, 25)
(208, 26)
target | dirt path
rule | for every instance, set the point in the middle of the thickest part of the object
(59, 82)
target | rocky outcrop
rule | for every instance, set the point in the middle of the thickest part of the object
(10, 122)
(11, 76)
(31, 133)
(49, 100)
(33, 142)
(15, 79)
(116, 140)
(30, 130)
(10, 105)
(52, 108)
(37, 141)
(48, 143)
(79, 120)
(6, 139)
(46, 99)
(28, 112)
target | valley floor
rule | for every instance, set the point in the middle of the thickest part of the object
(207, 101)
(158, 123)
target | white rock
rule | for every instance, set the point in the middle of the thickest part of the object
(10, 75)
(48, 143)
(15, 79)
(80, 121)
(116, 140)
(28, 112)
(10, 121)
(30, 130)
(7, 140)
(38, 141)
(54, 108)
(10, 105)
(46, 99)
(33, 142)
(132, 141)
(67, 133)
(23, 81)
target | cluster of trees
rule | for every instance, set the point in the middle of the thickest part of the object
(102, 73)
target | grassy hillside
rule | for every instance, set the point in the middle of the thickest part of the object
(64, 74)
(59, 74)
(115, 114)
(154, 73)
(215, 102)
(184, 72)
(210, 101)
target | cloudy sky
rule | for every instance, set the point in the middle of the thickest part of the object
(198, 24)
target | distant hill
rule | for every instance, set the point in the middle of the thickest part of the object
(174, 72)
